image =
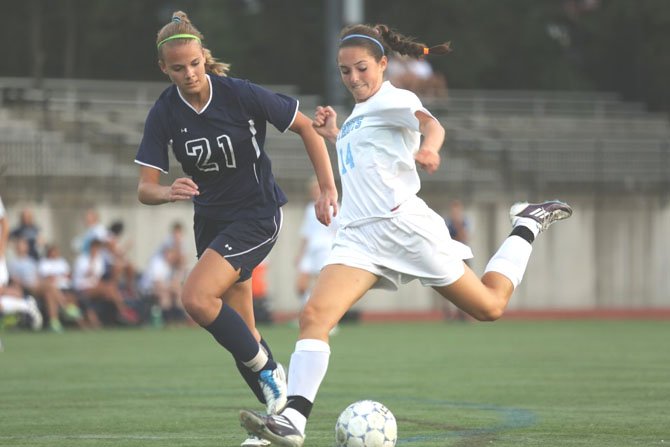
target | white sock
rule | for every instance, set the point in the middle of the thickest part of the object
(13, 305)
(296, 418)
(258, 362)
(308, 366)
(511, 259)
(529, 223)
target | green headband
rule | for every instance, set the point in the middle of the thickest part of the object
(178, 36)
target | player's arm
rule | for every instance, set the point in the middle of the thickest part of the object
(433, 133)
(318, 154)
(151, 192)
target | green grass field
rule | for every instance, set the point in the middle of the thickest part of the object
(509, 383)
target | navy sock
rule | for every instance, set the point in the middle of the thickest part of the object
(230, 330)
(251, 377)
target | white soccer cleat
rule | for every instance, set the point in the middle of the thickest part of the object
(545, 213)
(273, 385)
(255, 441)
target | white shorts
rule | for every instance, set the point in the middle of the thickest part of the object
(414, 244)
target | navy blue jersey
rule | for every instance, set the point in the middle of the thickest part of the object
(221, 148)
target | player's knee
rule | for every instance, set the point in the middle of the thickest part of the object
(311, 319)
(193, 301)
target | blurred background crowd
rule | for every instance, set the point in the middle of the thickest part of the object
(540, 99)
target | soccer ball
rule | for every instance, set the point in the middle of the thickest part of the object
(366, 423)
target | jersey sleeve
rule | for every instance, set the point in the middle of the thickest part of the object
(153, 150)
(277, 109)
(402, 110)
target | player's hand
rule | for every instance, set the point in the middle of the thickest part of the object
(325, 122)
(428, 160)
(183, 188)
(326, 206)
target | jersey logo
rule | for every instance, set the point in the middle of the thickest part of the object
(184, 130)
(228, 247)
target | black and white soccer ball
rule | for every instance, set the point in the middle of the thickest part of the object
(366, 423)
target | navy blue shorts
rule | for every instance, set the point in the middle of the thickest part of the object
(244, 243)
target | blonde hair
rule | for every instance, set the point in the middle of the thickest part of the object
(181, 24)
(389, 40)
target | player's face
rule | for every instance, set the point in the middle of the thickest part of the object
(184, 63)
(361, 73)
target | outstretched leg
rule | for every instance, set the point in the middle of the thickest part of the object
(486, 299)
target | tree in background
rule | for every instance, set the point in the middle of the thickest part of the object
(612, 45)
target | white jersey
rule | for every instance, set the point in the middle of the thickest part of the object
(57, 268)
(375, 148)
(87, 271)
(4, 274)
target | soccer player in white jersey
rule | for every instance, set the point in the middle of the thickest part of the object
(387, 234)
(216, 125)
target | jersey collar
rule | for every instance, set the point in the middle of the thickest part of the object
(211, 93)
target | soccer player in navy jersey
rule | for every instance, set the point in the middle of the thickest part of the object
(216, 127)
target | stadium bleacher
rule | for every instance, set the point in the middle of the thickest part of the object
(585, 140)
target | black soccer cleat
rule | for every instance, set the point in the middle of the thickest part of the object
(275, 428)
(545, 213)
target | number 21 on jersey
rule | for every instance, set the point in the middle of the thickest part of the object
(346, 159)
(200, 149)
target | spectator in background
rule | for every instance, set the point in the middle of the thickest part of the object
(28, 230)
(416, 75)
(459, 229)
(23, 271)
(161, 283)
(457, 222)
(316, 241)
(12, 300)
(120, 268)
(91, 287)
(4, 239)
(177, 243)
(94, 229)
(55, 271)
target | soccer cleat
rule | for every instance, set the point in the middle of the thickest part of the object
(273, 385)
(545, 213)
(275, 428)
(36, 320)
(255, 441)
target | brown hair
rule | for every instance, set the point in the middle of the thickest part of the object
(181, 24)
(390, 40)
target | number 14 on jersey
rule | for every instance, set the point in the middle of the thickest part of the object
(346, 159)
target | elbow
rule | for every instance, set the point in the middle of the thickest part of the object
(142, 196)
